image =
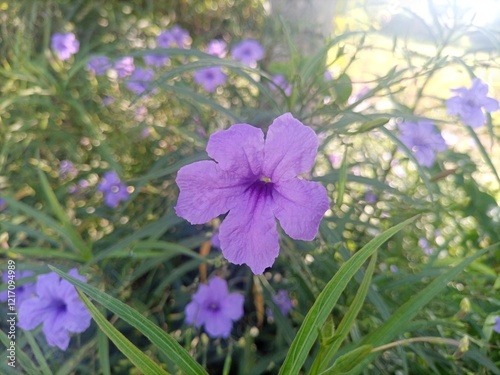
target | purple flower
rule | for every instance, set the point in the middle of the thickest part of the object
(3, 204)
(65, 45)
(422, 140)
(468, 104)
(496, 327)
(66, 168)
(210, 77)
(256, 181)
(394, 268)
(156, 59)
(327, 75)
(140, 80)
(22, 292)
(424, 245)
(283, 302)
(113, 189)
(82, 184)
(280, 81)
(217, 48)
(58, 307)
(176, 36)
(215, 308)
(370, 197)
(248, 51)
(124, 67)
(99, 65)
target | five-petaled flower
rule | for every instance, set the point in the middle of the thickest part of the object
(255, 180)
(468, 104)
(58, 307)
(124, 66)
(65, 45)
(248, 51)
(283, 302)
(422, 139)
(215, 308)
(210, 77)
(217, 47)
(156, 59)
(113, 189)
(23, 291)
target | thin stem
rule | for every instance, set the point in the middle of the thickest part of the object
(431, 339)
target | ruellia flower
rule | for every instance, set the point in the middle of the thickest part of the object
(56, 306)
(99, 64)
(140, 80)
(280, 81)
(283, 301)
(65, 45)
(217, 47)
(22, 292)
(248, 51)
(469, 104)
(215, 308)
(255, 181)
(422, 139)
(210, 77)
(124, 66)
(113, 189)
(175, 37)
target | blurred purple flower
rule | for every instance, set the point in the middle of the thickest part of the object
(496, 327)
(248, 51)
(422, 139)
(175, 37)
(394, 268)
(23, 292)
(99, 65)
(124, 66)
(65, 45)
(210, 77)
(82, 184)
(113, 189)
(215, 308)
(217, 47)
(256, 181)
(327, 76)
(280, 81)
(58, 307)
(424, 245)
(146, 132)
(140, 81)
(371, 197)
(156, 60)
(67, 169)
(3, 204)
(283, 302)
(468, 104)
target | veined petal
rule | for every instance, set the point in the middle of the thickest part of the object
(290, 149)
(206, 191)
(248, 234)
(34, 311)
(55, 331)
(239, 149)
(299, 206)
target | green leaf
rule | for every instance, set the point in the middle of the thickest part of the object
(163, 341)
(21, 357)
(326, 301)
(136, 356)
(342, 179)
(348, 361)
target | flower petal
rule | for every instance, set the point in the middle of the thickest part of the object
(193, 314)
(55, 331)
(47, 285)
(300, 205)
(34, 311)
(249, 235)
(206, 191)
(217, 325)
(290, 148)
(232, 306)
(239, 149)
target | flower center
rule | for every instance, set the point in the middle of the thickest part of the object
(59, 306)
(214, 307)
(265, 179)
(115, 189)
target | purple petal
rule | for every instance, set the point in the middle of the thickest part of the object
(33, 312)
(290, 148)
(192, 314)
(55, 331)
(474, 117)
(240, 149)
(217, 325)
(490, 104)
(232, 306)
(218, 288)
(47, 285)
(206, 191)
(249, 235)
(300, 205)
